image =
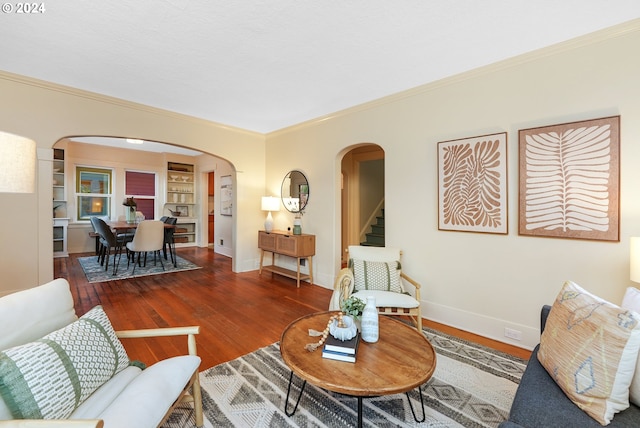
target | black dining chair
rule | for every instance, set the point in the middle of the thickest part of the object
(109, 241)
(169, 241)
(96, 230)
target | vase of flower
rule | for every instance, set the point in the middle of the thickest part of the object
(130, 209)
(353, 306)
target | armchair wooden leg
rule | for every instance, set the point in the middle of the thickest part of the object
(197, 401)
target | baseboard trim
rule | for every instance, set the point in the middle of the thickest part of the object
(482, 325)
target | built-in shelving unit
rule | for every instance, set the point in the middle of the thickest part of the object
(60, 217)
(181, 198)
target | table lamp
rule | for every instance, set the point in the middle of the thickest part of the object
(269, 203)
(634, 260)
(17, 164)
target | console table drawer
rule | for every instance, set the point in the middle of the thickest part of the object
(296, 245)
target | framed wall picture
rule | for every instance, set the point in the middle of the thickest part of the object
(569, 180)
(472, 184)
(226, 195)
(183, 210)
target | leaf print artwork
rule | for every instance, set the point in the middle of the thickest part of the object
(472, 184)
(569, 180)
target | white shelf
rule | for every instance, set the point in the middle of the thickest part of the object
(59, 205)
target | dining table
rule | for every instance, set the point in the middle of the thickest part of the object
(121, 226)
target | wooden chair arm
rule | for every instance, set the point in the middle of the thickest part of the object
(413, 282)
(53, 423)
(189, 331)
(410, 280)
(158, 332)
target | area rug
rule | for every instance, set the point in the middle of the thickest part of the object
(473, 386)
(96, 273)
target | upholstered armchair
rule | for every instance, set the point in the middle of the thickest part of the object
(377, 272)
(57, 370)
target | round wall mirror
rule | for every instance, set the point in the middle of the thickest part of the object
(295, 191)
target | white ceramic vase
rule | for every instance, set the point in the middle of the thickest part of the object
(369, 321)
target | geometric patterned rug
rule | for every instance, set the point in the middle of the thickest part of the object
(473, 386)
(97, 273)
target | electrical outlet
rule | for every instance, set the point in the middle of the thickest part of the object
(512, 334)
(222, 242)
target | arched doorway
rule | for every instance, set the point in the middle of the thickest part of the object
(362, 197)
(150, 158)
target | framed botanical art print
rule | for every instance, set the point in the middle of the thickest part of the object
(569, 180)
(472, 184)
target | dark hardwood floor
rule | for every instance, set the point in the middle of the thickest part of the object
(237, 312)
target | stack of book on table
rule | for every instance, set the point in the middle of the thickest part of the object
(336, 349)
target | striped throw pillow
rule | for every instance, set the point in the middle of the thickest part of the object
(49, 378)
(384, 276)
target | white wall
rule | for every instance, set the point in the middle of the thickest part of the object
(46, 113)
(479, 282)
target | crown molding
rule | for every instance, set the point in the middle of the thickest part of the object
(590, 39)
(105, 99)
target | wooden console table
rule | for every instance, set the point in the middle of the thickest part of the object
(296, 246)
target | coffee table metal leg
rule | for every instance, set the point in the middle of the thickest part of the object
(359, 412)
(421, 402)
(286, 403)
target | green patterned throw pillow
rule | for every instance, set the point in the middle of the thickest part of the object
(49, 378)
(384, 276)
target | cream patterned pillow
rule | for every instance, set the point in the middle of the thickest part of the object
(383, 276)
(590, 347)
(631, 300)
(51, 377)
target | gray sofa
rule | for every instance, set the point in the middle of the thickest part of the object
(539, 402)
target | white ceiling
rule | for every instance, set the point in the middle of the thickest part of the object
(265, 65)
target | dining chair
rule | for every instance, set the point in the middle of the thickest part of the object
(149, 237)
(169, 241)
(96, 231)
(108, 241)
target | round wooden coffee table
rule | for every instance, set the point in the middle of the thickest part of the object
(402, 359)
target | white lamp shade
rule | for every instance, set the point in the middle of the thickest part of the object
(17, 164)
(634, 260)
(270, 203)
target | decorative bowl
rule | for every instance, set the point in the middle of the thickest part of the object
(185, 178)
(175, 177)
(347, 331)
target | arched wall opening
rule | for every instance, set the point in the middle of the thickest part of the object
(362, 190)
(119, 156)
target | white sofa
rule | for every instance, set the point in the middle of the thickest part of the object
(132, 397)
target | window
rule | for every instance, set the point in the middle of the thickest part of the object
(93, 190)
(142, 187)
